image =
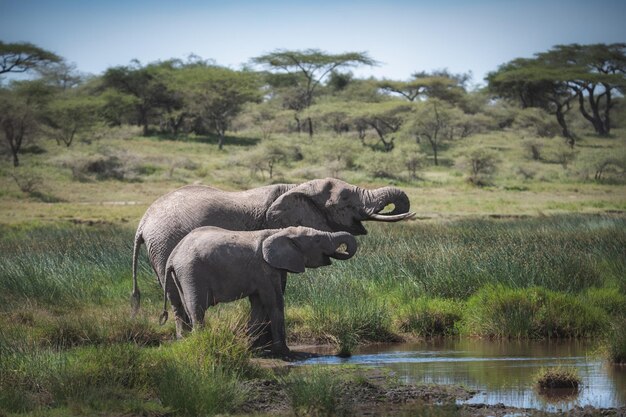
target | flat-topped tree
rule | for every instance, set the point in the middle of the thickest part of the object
(437, 84)
(534, 84)
(594, 72)
(553, 80)
(23, 57)
(314, 65)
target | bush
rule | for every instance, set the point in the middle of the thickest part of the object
(533, 149)
(430, 317)
(536, 122)
(498, 311)
(479, 165)
(382, 164)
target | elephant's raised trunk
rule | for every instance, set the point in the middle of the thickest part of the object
(377, 200)
(344, 245)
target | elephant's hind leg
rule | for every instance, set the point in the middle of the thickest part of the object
(183, 323)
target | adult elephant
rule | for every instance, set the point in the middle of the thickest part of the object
(327, 204)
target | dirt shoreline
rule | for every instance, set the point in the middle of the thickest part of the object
(376, 393)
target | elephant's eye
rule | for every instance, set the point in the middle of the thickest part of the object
(343, 249)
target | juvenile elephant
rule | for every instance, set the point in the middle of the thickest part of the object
(213, 265)
(325, 204)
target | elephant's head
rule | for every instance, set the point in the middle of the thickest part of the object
(333, 205)
(296, 248)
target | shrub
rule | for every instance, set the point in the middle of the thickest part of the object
(535, 122)
(533, 149)
(479, 165)
(610, 300)
(382, 164)
(430, 317)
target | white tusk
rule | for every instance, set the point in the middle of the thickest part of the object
(395, 218)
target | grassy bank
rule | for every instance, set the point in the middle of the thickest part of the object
(69, 346)
(504, 260)
(560, 276)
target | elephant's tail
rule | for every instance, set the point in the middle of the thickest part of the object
(169, 274)
(135, 297)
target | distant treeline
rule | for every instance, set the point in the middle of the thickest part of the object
(308, 91)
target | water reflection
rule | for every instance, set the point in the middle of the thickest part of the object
(502, 371)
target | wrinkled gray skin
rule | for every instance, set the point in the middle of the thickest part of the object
(325, 204)
(213, 265)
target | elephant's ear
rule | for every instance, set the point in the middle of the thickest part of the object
(280, 252)
(295, 208)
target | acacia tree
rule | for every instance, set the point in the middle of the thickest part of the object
(70, 114)
(385, 118)
(214, 96)
(436, 123)
(23, 57)
(20, 107)
(437, 84)
(593, 73)
(147, 85)
(535, 85)
(553, 80)
(313, 66)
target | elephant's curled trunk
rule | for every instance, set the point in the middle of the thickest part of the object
(340, 240)
(377, 200)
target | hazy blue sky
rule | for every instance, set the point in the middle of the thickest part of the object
(405, 36)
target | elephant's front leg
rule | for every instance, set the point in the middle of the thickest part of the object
(273, 301)
(259, 325)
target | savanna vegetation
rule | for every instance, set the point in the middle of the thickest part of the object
(519, 188)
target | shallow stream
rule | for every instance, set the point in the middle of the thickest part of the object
(501, 371)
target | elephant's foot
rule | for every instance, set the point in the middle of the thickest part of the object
(281, 351)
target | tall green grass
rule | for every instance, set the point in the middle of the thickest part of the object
(68, 285)
(69, 265)
(498, 311)
(201, 375)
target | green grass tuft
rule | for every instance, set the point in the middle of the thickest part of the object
(557, 377)
(315, 391)
(615, 342)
